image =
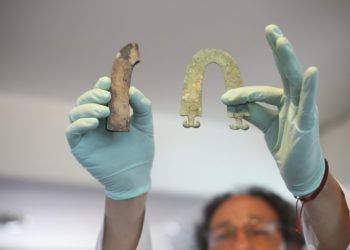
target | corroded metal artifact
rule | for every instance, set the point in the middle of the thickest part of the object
(123, 64)
(191, 101)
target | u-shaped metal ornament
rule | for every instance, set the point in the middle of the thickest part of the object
(191, 101)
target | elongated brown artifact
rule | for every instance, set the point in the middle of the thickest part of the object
(123, 64)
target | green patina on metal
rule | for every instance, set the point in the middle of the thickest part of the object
(191, 101)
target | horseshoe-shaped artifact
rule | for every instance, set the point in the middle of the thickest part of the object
(191, 101)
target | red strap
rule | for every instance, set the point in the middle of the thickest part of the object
(309, 198)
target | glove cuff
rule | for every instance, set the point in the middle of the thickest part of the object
(318, 190)
(308, 186)
(128, 195)
(310, 197)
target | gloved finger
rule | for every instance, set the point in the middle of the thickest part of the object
(267, 94)
(307, 105)
(142, 109)
(103, 83)
(291, 67)
(90, 110)
(272, 33)
(260, 116)
(99, 96)
(77, 129)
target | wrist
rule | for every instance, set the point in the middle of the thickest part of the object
(133, 207)
(123, 223)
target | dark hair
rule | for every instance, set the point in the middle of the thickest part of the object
(284, 210)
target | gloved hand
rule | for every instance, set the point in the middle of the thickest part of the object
(292, 130)
(120, 161)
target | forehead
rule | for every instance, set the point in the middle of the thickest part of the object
(237, 210)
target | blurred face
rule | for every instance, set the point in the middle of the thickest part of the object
(245, 222)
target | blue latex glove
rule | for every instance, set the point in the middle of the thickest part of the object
(292, 130)
(120, 161)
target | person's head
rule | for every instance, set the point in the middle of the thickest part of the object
(255, 219)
